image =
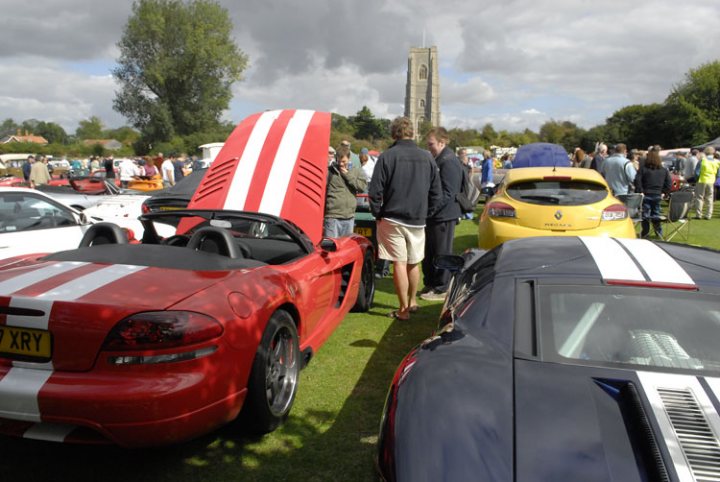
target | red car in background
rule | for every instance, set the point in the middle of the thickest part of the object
(161, 341)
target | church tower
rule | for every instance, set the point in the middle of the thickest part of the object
(422, 92)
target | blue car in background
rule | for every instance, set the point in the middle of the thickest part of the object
(541, 154)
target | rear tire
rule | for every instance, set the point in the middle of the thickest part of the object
(366, 290)
(273, 381)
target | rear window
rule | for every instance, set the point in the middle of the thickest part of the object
(643, 327)
(557, 193)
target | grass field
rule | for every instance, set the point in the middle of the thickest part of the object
(331, 432)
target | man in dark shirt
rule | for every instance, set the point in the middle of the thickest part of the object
(27, 167)
(109, 165)
(405, 187)
(440, 227)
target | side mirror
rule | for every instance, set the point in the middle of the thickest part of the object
(82, 218)
(328, 245)
(450, 262)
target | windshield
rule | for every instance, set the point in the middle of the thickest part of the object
(240, 224)
(557, 193)
(643, 327)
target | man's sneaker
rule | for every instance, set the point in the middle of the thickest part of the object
(425, 290)
(433, 295)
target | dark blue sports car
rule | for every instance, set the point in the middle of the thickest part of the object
(564, 359)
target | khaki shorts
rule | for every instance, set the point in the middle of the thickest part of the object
(400, 243)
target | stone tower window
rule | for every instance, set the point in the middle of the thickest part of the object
(423, 72)
(422, 104)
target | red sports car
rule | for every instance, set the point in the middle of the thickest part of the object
(159, 341)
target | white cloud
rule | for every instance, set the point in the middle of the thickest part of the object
(515, 63)
(47, 91)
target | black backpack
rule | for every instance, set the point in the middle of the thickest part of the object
(468, 196)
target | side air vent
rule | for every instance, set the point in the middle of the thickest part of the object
(215, 178)
(697, 440)
(310, 181)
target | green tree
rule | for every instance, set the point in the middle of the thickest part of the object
(91, 128)
(54, 133)
(701, 88)
(125, 134)
(565, 133)
(366, 125)
(176, 68)
(488, 135)
(8, 127)
(687, 124)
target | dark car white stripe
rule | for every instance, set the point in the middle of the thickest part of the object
(659, 265)
(612, 260)
(635, 260)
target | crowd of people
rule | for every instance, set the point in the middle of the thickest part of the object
(644, 172)
(171, 169)
(413, 196)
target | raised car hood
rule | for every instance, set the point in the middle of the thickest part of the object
(64, 295)
(275, 163)
(596, 424)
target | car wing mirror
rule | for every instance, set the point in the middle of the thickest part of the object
(450, 262)
(81, 218)
(328, 245)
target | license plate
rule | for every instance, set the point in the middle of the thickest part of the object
(25, 343)
(367, 232)
(169, 208)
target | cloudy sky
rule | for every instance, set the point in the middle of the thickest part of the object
(513, 63)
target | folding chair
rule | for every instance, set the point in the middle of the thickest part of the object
(677, 221)
(633, 203)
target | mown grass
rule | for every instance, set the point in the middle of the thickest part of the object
(330, 434)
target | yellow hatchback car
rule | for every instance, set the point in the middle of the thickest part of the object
(548, 201)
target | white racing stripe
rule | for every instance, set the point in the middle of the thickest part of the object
(612, 260)
(28, 279)
(19, 393)
(50, 432)
(284, 164)
(659, 266)
(245, 170)
(20, 387)
(83, 285)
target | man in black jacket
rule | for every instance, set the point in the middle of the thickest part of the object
(405, 186)
(440, 226)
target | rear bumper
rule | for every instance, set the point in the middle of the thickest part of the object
(128, 406)
(492, 233)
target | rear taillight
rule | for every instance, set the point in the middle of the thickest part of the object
(500, 210)
(161, 329)
(144, 208)
(616, 212)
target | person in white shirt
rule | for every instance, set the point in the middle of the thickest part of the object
(367, 163)
(128, 170)
(168, 172)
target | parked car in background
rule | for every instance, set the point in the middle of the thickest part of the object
(547, 201)
(33, 222)
(84, 192)
(564, 359)
(174, 197)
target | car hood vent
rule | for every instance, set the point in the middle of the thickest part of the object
(697, 440)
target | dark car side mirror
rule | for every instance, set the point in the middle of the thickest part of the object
(328, 245)
(450, 262)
